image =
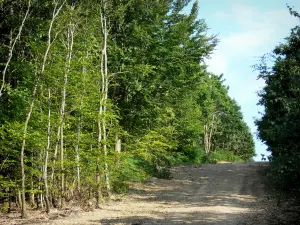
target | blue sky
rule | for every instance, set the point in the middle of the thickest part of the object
(247, 29)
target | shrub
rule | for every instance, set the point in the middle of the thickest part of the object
(221, 155)
(285, 171)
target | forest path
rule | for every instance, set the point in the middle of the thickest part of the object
(207, 194)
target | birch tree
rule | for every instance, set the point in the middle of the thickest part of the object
(55, 13)
(12, 44)
(83, 80)
(104, 89)
(45, 170)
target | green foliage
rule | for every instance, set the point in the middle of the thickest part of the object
(178, 158)
(153, 150)
(221, 155)
(279, 126)
(128, 169)
(160, 96)
(285, 172)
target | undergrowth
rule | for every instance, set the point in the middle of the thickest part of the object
(218, 156)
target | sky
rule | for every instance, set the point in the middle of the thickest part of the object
(246, 29)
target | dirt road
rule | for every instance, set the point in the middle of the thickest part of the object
(207, 194)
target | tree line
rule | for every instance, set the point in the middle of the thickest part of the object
(279, 126)
(97, 94)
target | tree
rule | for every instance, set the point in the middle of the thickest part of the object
(12, 44)
(85, 79)
(279, 126)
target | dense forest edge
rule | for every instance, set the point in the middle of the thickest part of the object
(95, 95)
(279, 126)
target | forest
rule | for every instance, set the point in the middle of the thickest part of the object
(279, 126)
(95, 95)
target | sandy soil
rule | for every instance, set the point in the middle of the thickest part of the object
(209, 194)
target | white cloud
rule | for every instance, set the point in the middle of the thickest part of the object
(258, 32)
(250, 17)
(244, 89)
(255, 33)
(244, 43)
(218, 63)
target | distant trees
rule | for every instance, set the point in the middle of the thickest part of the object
(98, 93)
(279, 127)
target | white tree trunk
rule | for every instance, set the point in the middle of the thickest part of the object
(211, 132)
(118, 148)
(23, 203)
(105, 93)
(54, 15)
(12, 47)
(45, 177)
(206, 139)
(55, 154)
(70, 43)
(208, 133)
(77, 149)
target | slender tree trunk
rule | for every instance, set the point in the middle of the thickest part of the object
(98, 172)
(105, 93)
(55, 155)
(118, 150)
(99, 144)
(19, 199)
(24, 215)
(62, 176)
(208, 132)
(70, 42)
(40, 204)
(118, 145)
(53, 197)
(107, 180)
(54, 15)
(45, 177)
(206, 139)
(32, 195)
(41, 198)
(99, 198)
(77, 148)
(211, 132)
(12, 47)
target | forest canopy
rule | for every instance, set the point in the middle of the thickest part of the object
(95, 94)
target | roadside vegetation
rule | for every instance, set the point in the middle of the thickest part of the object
(97, 94)
(279, 126)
